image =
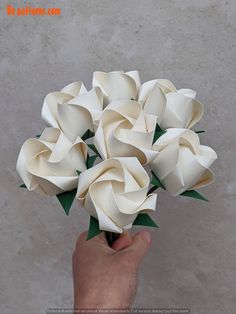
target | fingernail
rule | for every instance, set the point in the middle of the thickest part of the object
(146, 236)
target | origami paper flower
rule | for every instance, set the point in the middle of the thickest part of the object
(117, 85)
(73, 109)
(129, 126)
(48, 164)
(114, 192)
(182, 163)
(173, 108)
(125, 130)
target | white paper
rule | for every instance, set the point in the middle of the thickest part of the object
(182, 163)
(115, 191)
(48, 164)
(73, 109)
(124, 130)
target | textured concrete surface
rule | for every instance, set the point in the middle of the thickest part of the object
(192, 262)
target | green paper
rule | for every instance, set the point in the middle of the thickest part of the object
(90, 161)
(158, 132)
(94, 149)
(145, 220)
(111, 237)
(93, 228)
(158, 128)
(66, 199)
(23, 186)
(38, 135)
(157, 135)
(194, 194)
(78, 172)
(152, 189)
(201, 131)
(156, 182)
(87, 135)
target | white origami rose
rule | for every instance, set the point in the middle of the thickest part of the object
(173, 108)
(114, 192)
(117, 85)
(48, 164)
(182, 163)
(73, 109)
(124, 130)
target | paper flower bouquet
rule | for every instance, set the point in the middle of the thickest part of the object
(113, 146)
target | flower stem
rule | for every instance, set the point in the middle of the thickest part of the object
(111, 237)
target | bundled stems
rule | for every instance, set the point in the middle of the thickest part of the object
(111, 237)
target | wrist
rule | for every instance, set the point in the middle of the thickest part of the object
(106, 302)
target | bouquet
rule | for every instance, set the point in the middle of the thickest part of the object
(112, 147)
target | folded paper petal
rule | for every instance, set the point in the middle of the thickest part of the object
(48, 164)
(117, 85)
(182, 163)
(73, 109)
(125, 130)
(173, 108)
(115, 191)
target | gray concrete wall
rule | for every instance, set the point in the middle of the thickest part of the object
(192, 262)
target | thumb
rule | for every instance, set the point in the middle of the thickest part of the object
(122, 242)
(140, 245)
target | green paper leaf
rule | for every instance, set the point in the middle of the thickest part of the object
(158, 133)
(94, 149)
(145, 220)
(152, 190)
(87, 135)
(156, 182)
(66, 199)
(90, 161)
(23, 186)
(93, 228)
(158, 128)
(78, 172)
(201, 131)
(194, 194)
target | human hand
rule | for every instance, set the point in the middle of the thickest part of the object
(106, 277)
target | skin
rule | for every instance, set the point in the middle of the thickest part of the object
(106, 277)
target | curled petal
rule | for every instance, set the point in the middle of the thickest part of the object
(182, 163)
(181, 111)
(173, 108)
(124, 130)
(125, 183)
(73, 113)
(48, 164)
(117, 85)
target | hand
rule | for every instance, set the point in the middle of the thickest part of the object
(106, 277)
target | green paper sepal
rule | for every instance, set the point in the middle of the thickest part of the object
(201, 131)
(93, 228)
(90, 161)
(94, 149)
(152, 189)
(87, 135)
(158, 133)
(78, 172)
(156, 182)
(194, 194)
(145, 220)
(23, 186)
(66, 199)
